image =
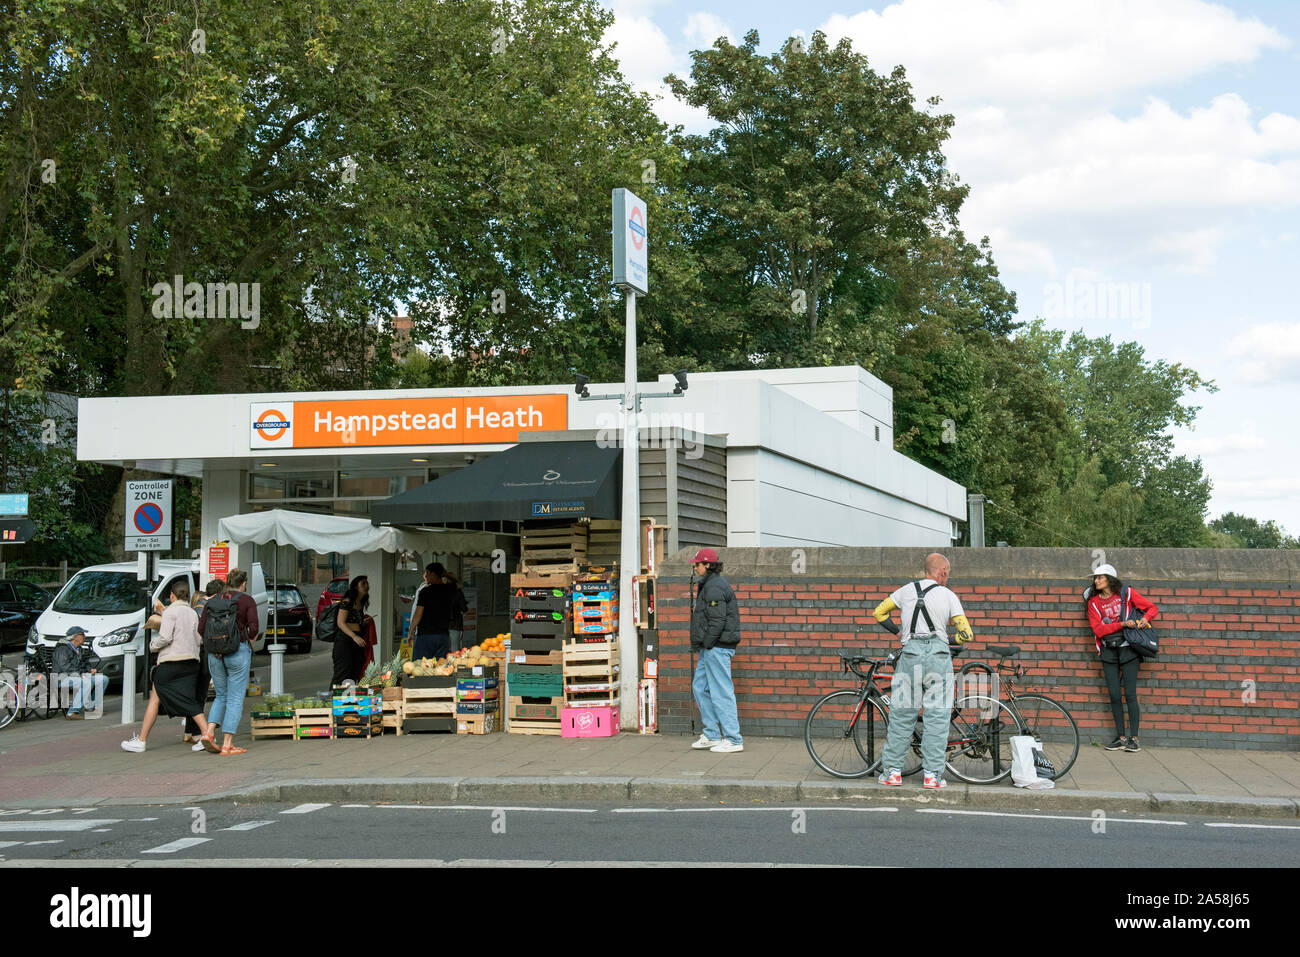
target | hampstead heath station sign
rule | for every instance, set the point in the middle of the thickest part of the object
(373, 423)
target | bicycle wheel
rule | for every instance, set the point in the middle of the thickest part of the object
(835, 742)
(8, 703)
(979, 739)
(1049, 722)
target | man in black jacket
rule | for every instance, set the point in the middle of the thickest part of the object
(72, 670)
(715, 633)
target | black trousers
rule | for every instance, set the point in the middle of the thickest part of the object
(1121, 668)
(349, 659)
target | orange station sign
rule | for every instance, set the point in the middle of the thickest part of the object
(374, 423)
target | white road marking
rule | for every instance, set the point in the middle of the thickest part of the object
(136, 820)
(1049, 817)
(4, 844)
(354, 805)
(177, 845)
(700, 810)
(248, 826)
(304, 808)
(1267, 827)
(101, 830)
(485, 807)
(83, 824)
(34, 843)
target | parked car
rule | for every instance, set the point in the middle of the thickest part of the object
(290, 621)
(107, 601)
(21, 603)
(335, 590)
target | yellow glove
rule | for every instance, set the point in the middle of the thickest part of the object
(964, 633)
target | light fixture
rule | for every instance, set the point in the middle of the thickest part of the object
(419, 460)
(268, 465)
(680, 376)
(580, 384)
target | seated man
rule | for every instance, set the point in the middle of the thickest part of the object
(71, 666)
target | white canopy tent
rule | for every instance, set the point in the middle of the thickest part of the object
(314, 531)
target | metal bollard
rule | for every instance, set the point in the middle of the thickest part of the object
(277, 667)
(128, 686)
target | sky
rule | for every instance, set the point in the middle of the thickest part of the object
(1135, 165)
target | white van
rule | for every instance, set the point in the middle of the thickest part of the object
(105, 600)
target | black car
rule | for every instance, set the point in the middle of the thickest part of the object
(288, 621)
(21, 603)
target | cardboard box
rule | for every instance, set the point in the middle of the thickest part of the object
(535, 709)
(476, 724)
(321, 731)
(539, 629)
(534, 646)
(441, 725)
(432, 681)
(360, 720)
(531, 615)
(478, 694)
(597, 627)
(478, 707)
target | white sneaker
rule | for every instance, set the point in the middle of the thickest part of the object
(135, 744)
(706, 744)
(726, 747)
(197, 747)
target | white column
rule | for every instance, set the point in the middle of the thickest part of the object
(379, 568)
(630, 550)
(223, 496)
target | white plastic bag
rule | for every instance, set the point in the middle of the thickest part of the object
(1023, 772)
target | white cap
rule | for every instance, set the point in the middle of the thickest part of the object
(1108, 570)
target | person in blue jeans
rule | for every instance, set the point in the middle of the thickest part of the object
(72, 669)
(230, 672)
(923, 675)
(715, 633)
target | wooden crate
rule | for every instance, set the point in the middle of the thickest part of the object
(593, 692)
(440, 724)
(520, 726)
(537, 580)
(316, 731)
(534, 709)
(604, 541)
(551, 551)
(429, 702)
(277, 727)
(653, 539)
(393, 714)
(590, 659)
(522, 657)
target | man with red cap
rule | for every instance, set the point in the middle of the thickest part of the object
(715, 633)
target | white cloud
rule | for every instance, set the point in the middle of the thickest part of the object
(1270, 353)
(646, 56)
(1032, 51)
(1277, 488)
(1194, 251)
(1220, 446)
(702, 29)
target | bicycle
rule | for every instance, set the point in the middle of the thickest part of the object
(25, 693)
(979, 729)
(1040, 717)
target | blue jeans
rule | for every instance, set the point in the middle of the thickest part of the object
(923, 676)
(431, 645)
(230, 678)
(716, 695)
(87, 687)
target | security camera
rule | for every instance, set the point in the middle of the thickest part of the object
(469, 460)
(680, 376)
(580, 384)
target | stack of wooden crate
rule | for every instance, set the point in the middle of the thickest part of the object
(591, 659)
(272, 724)
(429, 704)
(541, 618)
(313, 723)
(392, 716)
(554, 550)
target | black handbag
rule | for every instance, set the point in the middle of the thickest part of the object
(1144, 641)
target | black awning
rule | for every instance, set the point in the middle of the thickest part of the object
(531, 481)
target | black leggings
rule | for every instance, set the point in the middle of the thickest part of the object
(1124, 670)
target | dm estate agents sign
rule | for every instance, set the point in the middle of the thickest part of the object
(373, 423)
(631, 242)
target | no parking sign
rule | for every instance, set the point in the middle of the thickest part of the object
(149, 516)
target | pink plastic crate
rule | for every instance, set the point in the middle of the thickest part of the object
(588, 722)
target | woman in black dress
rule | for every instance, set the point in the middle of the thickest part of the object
(350, 641)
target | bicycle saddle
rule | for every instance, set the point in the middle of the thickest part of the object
(1005, 651)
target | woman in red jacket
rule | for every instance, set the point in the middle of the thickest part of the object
(1109, 615)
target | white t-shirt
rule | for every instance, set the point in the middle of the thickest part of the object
(941, 603)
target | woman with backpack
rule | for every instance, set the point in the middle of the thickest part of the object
(350, 640)
(1112, 607)
(230, 619)
(178, 646)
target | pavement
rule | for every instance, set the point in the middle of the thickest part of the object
(55, 763)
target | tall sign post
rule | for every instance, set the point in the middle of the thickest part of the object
(632, 275)
(148, 531)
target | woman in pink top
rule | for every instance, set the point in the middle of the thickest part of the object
(178, 646)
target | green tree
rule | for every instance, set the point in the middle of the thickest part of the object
(1243, 531)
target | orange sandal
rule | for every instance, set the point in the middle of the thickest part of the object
(231, 749)
(209, 744)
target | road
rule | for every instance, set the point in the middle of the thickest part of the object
(594, 834)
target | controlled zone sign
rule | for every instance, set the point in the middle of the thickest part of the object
(631, 242)
(149, 516)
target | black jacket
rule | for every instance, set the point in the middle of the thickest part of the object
(69, 660)
(715, 618)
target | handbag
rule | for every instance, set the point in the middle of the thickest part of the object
(1144, 641)
(1025, 771)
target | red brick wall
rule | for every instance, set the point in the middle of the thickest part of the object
(1226, 676)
